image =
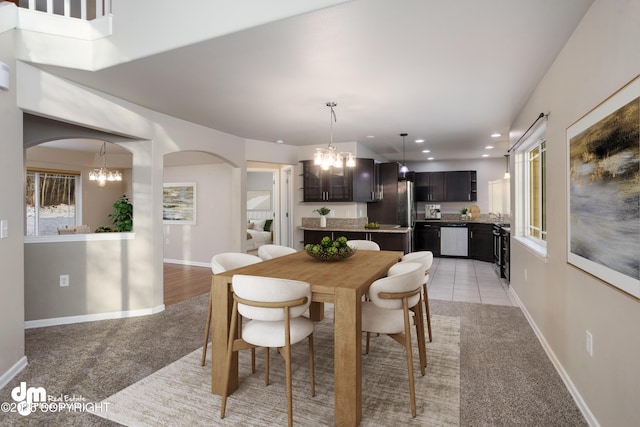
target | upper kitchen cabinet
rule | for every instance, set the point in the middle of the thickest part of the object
(429, 186)
(339, 184)
(450, 186)
(460, 186)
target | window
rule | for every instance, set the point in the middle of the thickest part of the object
(51, 198)
(531, 189)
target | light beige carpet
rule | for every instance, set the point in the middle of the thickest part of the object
(179, 394)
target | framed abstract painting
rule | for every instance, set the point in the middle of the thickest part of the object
(179, 203)
(604, 190)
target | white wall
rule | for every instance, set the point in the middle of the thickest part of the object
(196, 244)
(564, 302)
(12, 355)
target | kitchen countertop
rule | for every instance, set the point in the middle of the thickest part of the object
(461, 221)
(383, 229)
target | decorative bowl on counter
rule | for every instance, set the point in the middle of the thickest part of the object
(330, 250)
(372, 225)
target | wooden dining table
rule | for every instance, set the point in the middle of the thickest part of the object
(341, 283)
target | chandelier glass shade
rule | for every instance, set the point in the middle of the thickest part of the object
(507, 175)
(102, 175)
(330, 157)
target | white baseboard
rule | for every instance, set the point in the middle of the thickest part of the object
(577, 397)
(91, 317)
(183, 262)
(13, 371)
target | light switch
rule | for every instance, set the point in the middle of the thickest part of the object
(4, 229)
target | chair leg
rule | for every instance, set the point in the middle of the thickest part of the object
(253, 360)
(266, 366)
(422, 347)
(287, 362)
(367, 345)
(407, 335)
(312, 367)
(206, 334)
(428, 312)
(232, 332)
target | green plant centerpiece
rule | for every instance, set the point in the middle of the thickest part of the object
(323, 211)
(330, 250)
(122, 217)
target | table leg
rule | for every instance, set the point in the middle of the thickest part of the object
(316, 311)
(221, 307)
(348, 357)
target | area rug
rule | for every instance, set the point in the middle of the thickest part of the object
(180, 393)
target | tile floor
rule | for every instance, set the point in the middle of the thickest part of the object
(465, 280)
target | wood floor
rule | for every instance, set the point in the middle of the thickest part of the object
(182, 282)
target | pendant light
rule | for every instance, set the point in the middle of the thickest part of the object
(330, 157)
(403, 168)
(103, 174)
(507, 175)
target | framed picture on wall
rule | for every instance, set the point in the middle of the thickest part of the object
(258, 200)
(604, 190)
(179, 203)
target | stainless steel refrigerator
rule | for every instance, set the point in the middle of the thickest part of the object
(406, 206)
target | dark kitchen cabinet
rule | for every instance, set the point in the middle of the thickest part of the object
(427, 237)
(391, 241)
(460, 186)
(387, 241)
(329, 185)
(385, 211)
(429, 186)
(339, 184)
(364, 181)
(481, 242)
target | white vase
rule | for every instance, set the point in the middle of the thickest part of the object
(323, 221)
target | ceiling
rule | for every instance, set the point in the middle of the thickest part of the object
(449, 72)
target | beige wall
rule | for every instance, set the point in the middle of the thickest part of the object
(196, 244)
(564, 302)
(12, 357)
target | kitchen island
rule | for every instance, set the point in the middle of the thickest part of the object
(389, 237)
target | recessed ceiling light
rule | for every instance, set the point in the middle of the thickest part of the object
(279, 141)
(496, 135)
(426, 151)
(370, 136)
(429, 158)
(485, 155)
(419, 141)
(488, 147)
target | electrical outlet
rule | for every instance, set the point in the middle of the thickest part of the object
(64, 280)
(4, 229)
(589, 344)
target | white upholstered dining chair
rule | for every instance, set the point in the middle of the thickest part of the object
(219, 264)
(274, 308)
(426, 259)
(267, 252)
(395, 305)
(365, 245)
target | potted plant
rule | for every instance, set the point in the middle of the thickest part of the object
(323, 211)
(463, 213)
(122, 216)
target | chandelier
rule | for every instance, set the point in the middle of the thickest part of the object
(328, 157)
(103, 174)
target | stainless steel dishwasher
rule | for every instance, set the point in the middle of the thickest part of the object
(454, 240)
